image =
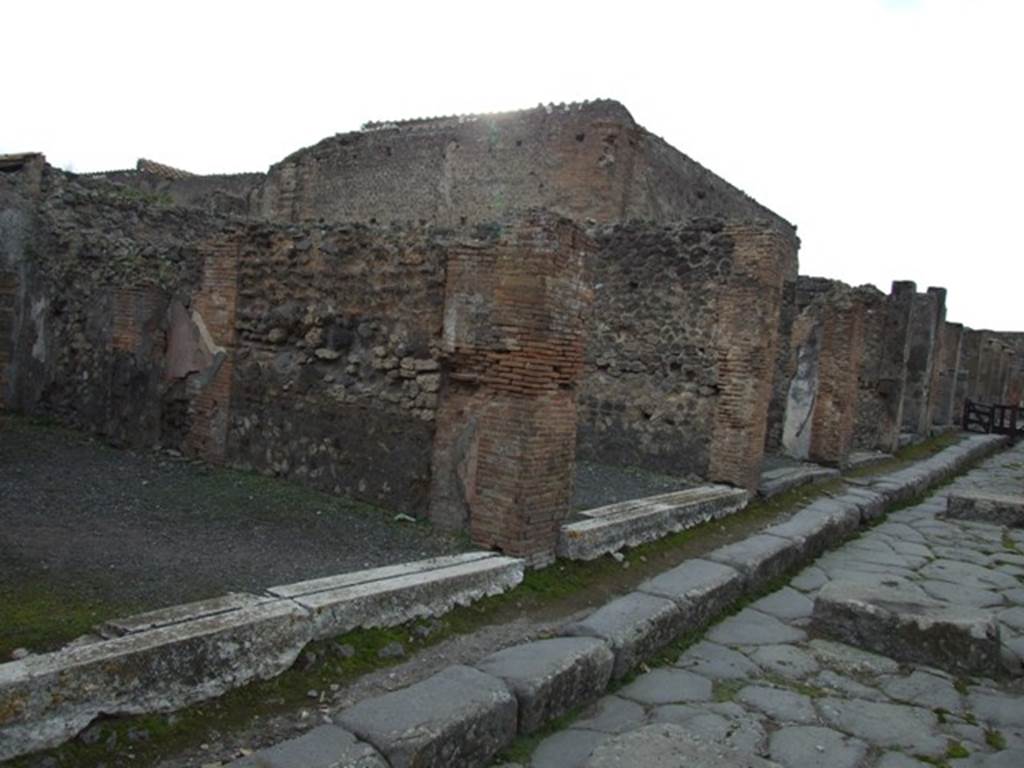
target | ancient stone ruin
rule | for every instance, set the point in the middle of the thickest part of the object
(441, 316)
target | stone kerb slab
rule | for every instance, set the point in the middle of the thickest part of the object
(760, 558)
(460, 717)
(636, 626)
(47, 699)
(997, 509)
(631, 523)
(337, 605)
(551, 677)
(899, 623)
(703, 589)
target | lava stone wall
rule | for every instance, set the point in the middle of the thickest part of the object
(99, 274)
(336, 369)
(215, 193)
(667, 345)
(586, 161)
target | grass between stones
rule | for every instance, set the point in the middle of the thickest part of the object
(325, 666)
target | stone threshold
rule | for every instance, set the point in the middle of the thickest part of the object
(638, 521)
(465, 715)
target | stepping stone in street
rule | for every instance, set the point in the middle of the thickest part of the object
(897, 623)
(997, 509)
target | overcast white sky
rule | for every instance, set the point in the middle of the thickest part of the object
(889, 131)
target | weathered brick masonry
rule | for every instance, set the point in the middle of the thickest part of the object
(883, 368)
(945, 411)
(827, 351)
(925, 325)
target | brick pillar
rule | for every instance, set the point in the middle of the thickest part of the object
(945, 409)
(213, 313)
(839, 357)
(892, 373)
(746, 350)
(8, 297)
(935, 404)
(513, 345)
(967, 375)
(919, 364)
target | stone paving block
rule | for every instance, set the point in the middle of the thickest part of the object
(924, 689)
(886, 725)
(418, 594)
(326, 746)
(460, 717)
(788, 661)
(779, 704)
(611, 714)
(666, 685)
(742, 732)
(816, 747)
(760, 558)
(551, 677)
(750, 627)
(665, 745)
(48, 698)
(636, 626)
(899, 624)
(703, 588)
(997, 509)
(717, 662)
(566, 749)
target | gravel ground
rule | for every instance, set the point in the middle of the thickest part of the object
(80, 518)
(600, 484)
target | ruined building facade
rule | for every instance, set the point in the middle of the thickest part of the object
(441, 316)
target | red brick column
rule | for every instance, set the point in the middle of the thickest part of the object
(749, 307)
(839, 359)
(513, 344)
(214, 304)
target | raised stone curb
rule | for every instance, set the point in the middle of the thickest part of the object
(636, 626)
(703, 589)
(326, 746)
(46, 699)
(992, 508)
(401, 598)
(167, 659)
(819, 527)
(782, 479)
(760, 558)
(631, 523)
(551, 677)
(460, 717)
(900, 624)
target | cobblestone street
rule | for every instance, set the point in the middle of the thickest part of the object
(760, 683)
